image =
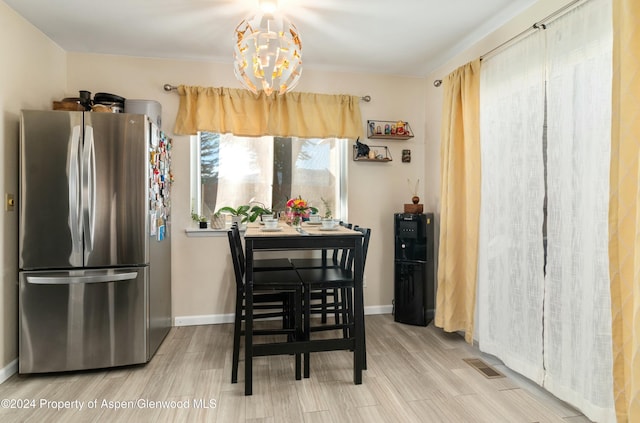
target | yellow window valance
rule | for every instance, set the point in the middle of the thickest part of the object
(242, 113)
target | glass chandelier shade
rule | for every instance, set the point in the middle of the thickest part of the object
(267, 54)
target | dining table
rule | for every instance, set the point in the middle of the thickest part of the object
(287, 239)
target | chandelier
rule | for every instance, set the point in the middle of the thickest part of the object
(267, 52)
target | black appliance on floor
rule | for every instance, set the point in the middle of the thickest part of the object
(414, 269)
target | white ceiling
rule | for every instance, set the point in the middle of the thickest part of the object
(398, 37)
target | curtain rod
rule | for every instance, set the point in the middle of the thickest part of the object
(537, 25)
(169, 88)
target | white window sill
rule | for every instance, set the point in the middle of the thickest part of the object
(209, 232)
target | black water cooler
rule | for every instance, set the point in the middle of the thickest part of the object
(414, 269)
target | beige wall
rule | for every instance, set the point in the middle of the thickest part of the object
(202, 278)
(32, 74)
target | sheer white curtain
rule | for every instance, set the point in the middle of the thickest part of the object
(245, 170)
(577, 320)
(511, 256)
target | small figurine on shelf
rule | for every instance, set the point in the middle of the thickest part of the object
(414, 208)
(372, 128)
(362, 149)
(387, 129)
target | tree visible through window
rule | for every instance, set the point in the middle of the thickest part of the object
(231, 171)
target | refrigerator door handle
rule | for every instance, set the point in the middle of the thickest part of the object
(67, 280)
(75, 205)
(89, 188)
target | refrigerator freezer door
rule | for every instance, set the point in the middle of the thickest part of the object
(115, 188)
(83, 319)
(50, 190)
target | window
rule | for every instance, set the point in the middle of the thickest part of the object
(228, 170)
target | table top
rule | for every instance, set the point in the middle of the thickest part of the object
(255, 230)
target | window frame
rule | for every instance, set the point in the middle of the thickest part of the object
(195, 175)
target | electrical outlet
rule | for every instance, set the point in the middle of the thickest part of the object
(9, 202)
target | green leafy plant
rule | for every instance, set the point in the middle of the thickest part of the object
(241, 211)
(328, 214)
(197, 218)
(258, 210)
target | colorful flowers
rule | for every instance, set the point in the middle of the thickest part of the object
(297, 208)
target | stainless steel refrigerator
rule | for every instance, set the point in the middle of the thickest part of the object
(95, 243)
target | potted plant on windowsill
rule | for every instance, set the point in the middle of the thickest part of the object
(259, 210)
(202, 221)
(218, 220)
(239, 215)
(327, 209)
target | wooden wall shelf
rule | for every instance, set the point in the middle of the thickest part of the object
(386, 129)
(383, 154)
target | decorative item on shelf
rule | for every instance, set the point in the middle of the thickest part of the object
(414, 208)
(392, 130)
(363, 150)
(268, 51)
(373, 153)
(297, 209)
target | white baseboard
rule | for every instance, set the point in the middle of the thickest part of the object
(209, 319)
(9, 370)
(381, 309)
(214, 319)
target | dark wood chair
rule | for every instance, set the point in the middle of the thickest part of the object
(267, 264)
(341, 279)
(276, 294)
(338, 259)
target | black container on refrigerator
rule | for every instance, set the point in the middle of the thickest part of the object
(413, 268)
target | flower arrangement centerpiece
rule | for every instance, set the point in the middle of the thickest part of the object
(297, 209)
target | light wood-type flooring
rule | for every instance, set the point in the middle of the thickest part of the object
(415, 374)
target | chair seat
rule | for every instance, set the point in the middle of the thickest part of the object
(276, 280)
(313, 263)
(327, 277)
(261, 265)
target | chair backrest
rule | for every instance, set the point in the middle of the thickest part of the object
(237, 256)
(366, 232)
(238, 240)
(343, 254)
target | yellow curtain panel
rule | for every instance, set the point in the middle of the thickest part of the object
(460, 199)
(624, 213)
(242, 113)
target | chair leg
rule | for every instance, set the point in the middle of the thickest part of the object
(237, 329)
(351, 319)
(297, 324)
(307, 334)
(323, 300)
(364, 345)
(337, 305)
(347, 313)
(287, 316)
